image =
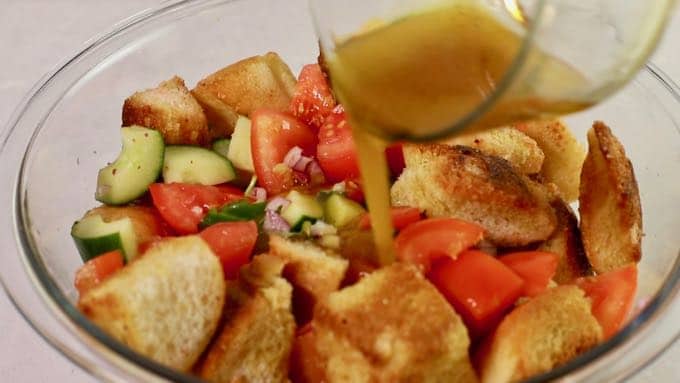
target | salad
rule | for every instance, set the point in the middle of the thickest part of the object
(233, 242)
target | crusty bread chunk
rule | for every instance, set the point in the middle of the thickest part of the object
(391, 326)
(171, 110)
(564, 155)
(254, 344)
(165, 305)
(241, 88)
(609, 203)
(566, 242)
(461, 182)
(539, 335)
(308, 266)
(507, 143)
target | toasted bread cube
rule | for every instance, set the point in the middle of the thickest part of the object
(165, 305)
(609, 203)
(255, 343)
(566, 242)
(171, 110)
(564, 155)
(308, 266)
(539, 335)
(461, 182)
(243, 87)
(507, 143)
(391, 326)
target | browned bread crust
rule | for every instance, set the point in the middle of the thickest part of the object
(243, 87)
(391, 326)
(609, 203)
(255, 343)
(539, 335)
(165, 305)
(171, 110)
(461, 182)
(566, 242)
(563, 154)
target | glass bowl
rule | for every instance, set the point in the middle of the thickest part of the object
(67, 127)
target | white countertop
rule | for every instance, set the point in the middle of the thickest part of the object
(34, 36)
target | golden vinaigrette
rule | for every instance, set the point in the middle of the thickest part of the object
(421, 75)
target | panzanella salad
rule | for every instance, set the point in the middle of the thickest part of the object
(232, 241)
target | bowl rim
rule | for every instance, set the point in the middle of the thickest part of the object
(125, 358)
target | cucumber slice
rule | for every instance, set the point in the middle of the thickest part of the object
(339, 210)
(196, 165)
(239, 149)
(138, 166)
(221, 147)
(302, 208)
(93, 237)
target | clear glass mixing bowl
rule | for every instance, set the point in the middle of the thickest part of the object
(67, 127)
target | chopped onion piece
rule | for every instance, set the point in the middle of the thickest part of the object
(293, 156)
(316, 173)
(302, 163)
(260, 194)
(274, 222)
(277, 203)
(321, 228)
(340, 187)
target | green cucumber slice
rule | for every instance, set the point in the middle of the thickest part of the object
(93, 237)
(242, 210)
(196, 165)
(239, 149)
(302, 208)
(339, 210)
(137, 166)
(221, 147)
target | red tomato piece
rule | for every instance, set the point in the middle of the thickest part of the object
(97, 269)
(402, 216)
(536, 268)
(425, 241)
(395, 159)
(478, 286)
(336, 152)
(232, 242)
(313, 99)
(612, 296)
(273, 135)
(183, 206)
(353, 191)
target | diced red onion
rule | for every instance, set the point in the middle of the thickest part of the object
(315, 173)
(320, 228)
(301, 164)
(340, 187)
(274, 222)
(293, 156)
(277, 203)
(260, 194)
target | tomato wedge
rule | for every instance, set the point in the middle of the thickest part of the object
(395, 159)
(478, 286)
(612, 296)
(232, 242)
(183, 206)
(313, 99)
(402, 216)
(535, 267)
(96, 270)
(273, 135)
(336, 152)
(425, 241)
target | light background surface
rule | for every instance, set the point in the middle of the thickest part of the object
(37, 34)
